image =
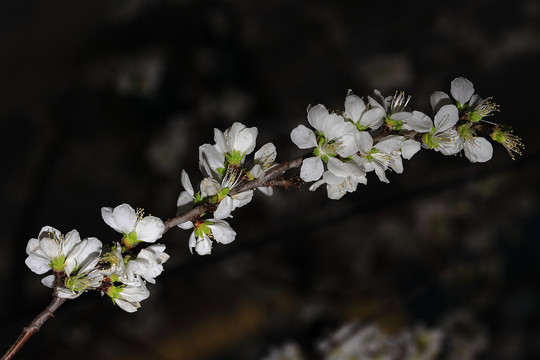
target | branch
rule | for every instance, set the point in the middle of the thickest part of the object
(35, 325)
(271, 174)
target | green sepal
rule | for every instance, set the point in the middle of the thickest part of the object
(475, 116)
(427, 139)
(114, 292)
(316, 151)
(235, 157)
(130, 240)
(360, 127)
(58, 263)
(221, 171)
(324, 158)
(223, 193)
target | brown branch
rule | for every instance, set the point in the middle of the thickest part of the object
(35, 325)
(271, 173)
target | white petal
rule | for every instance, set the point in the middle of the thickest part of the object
(186, 183)
(126, 305)
(445, 118)
(316, 185)
(184, 199)
(210, 159)
(336, 126)
(420, 122)
(380, 171)
(303, 137)
(364, 141)
(242, 199)
(409, 147)
(389, 144)
(221, 143)
(373, 118)
(71, 240)
(222, 232)
(186, 225)
(203, 246)
(48, 281)
(478, 150)
(317, 116)
(150, 229)
(453, 145)
(38, 264)
(210, 187)
(50, 247)
(123, 218)
(344, 169)
(224, 209)
(245, 141)
(266, 155)
(335, 192)
(439, 99)
(461, 89)
(266, 190)
(312, 169)
(354, 107)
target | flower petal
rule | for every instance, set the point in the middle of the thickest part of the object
(461, 89)
(317, 116)
(312, 169)
(150, 229)
(438, 99)
(303, 137)
(222, 232)
(445, 118)
(478, 150)
(354, 107)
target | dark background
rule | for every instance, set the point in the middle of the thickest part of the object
(104, 102)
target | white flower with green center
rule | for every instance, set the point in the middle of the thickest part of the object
(207, 230)
(341, 178)
(60, 253)
(440, 134)
(116, 264)
(467, 101)
(364, 117)
(83, 279)
(334, 136)
(476, 149)
(128, 294)
(236, 142)
(394, 115)
(148, 264)
(379, 157)
(134, 226)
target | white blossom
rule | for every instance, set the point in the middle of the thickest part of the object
(129, 294)
(148, 264)
(379, 157)
(207, 230)
(364, 117)
(341, 178)
(133, 225)
(334, 137)
(236, 142)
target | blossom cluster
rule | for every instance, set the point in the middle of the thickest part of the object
(377, 133)
(225, 170)
(79, 265)
(371, 134)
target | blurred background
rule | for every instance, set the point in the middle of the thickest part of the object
(105, 102)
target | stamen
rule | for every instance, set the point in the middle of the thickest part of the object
(399, 102)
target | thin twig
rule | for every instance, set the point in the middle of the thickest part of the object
(35, 325)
